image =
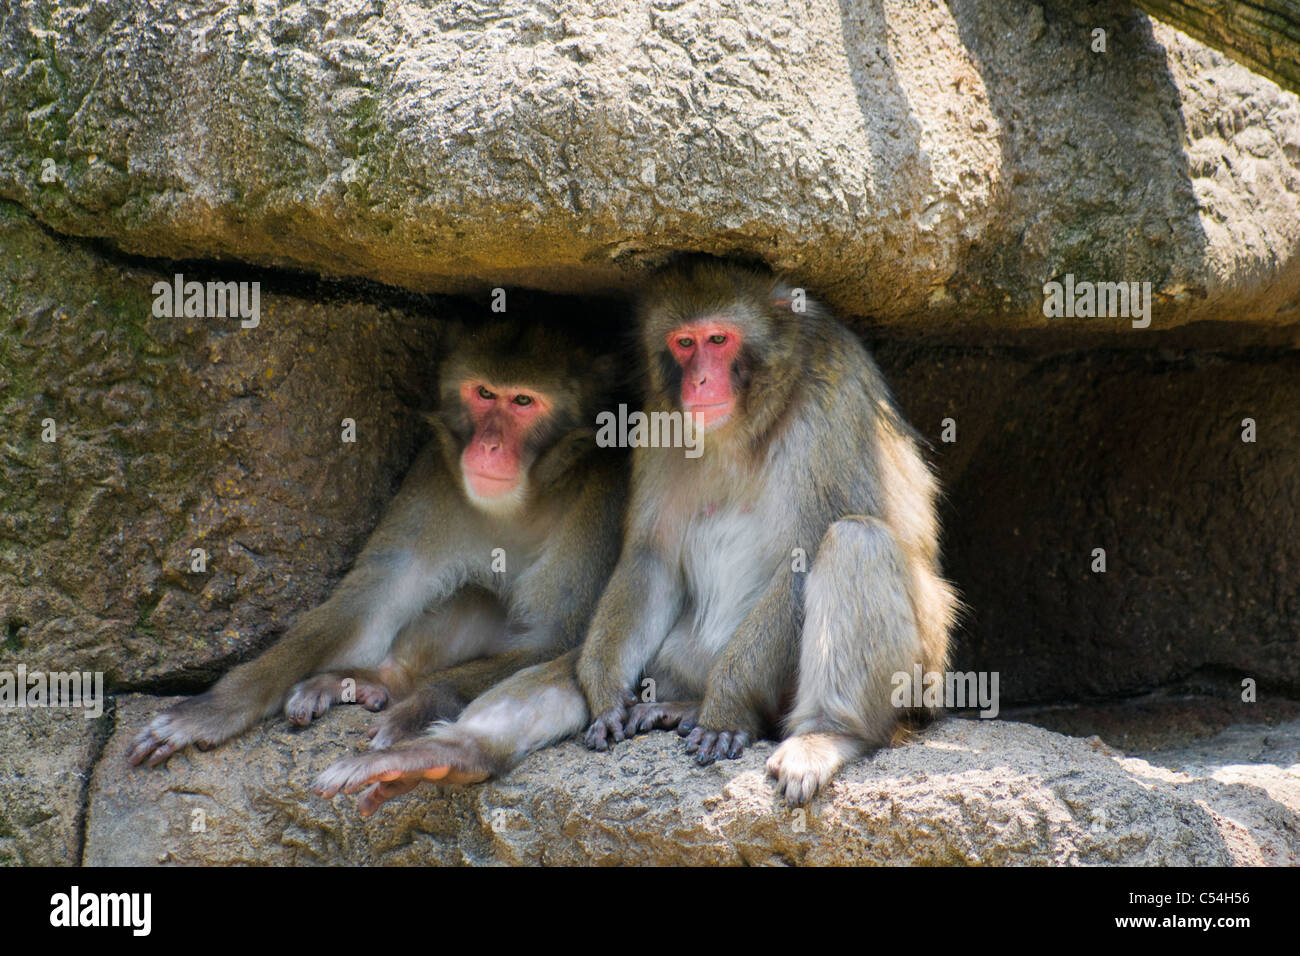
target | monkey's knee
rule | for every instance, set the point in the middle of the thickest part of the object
(855, 543)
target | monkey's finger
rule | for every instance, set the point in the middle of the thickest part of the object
(685, 726)
(141, 749)
(164, 750)
(595, 737)
(372, 700)
(159, 732)
(607, 725)
(643, 717)
(738, 745)
(708, 748)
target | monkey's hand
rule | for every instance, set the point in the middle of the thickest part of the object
(714, 735)
(384, 774)
(199, 721)
(709, 745)
(608, 726)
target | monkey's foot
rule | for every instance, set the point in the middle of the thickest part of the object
(804, 763)
(195, 721)
(709, 745)
(660, 716)
(384, 774)
(314, 696)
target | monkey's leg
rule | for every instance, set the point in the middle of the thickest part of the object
(312, 697)
(531, 710)
(859, 630)
(444, 694)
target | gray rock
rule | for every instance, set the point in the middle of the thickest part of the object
(46, 756)
(923, 163)
(964, 792)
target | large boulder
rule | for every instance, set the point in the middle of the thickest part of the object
(928, 163)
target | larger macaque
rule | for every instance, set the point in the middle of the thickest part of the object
(774, 585)
(491, 557)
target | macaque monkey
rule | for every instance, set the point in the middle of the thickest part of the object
(491, 557)
(774, 585)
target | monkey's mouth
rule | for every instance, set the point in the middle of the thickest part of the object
(490, 486)
(711, 414)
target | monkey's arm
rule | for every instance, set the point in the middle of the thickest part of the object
(750, 676)
(412, 559)
(632, 619)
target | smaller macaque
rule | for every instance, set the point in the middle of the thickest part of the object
(429, 616)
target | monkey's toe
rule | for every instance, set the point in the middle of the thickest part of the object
(380, 793)
(152, 747)
(304, 707)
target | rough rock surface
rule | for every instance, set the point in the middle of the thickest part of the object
(1138, 453)
(965, 792)
(183, 434)
(176, 434)
(46, 757)
(925, 162)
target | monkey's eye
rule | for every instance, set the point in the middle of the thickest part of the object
(717, 339)
(484, 394)
(522, 400)
(685, 342)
